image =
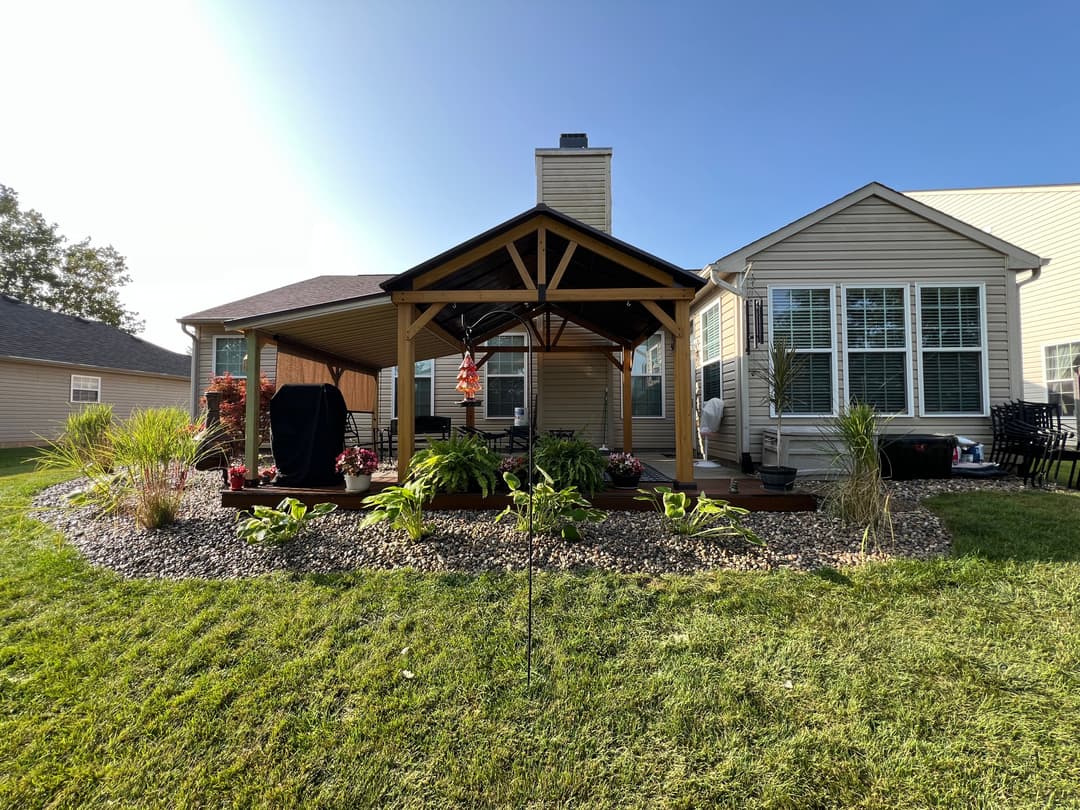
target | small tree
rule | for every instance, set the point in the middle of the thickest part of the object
(784, 366)
(233, 408)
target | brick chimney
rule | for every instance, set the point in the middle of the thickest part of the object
(576, 180)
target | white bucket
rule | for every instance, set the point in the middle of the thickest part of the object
(519, 418)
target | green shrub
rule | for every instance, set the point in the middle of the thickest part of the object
(554, 511)
(402, 506)
(571, 463)
(280, 525)
(859, 497)
(457, 464)
(83, 446)
(708, 516)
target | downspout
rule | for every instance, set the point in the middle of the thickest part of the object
(1035, 273)
(742, 359)
(1017, 381)
(194, 369)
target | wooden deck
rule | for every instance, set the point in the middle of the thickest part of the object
(750, 496)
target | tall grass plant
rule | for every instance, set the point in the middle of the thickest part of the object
(859, 496)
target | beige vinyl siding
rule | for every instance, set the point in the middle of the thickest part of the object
(36, 399)
(875, 243)
(1044, 220)
(725, 444)
(205, 368)
(576, 182)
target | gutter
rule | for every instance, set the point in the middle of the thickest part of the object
(194, 369)
(1035, 273)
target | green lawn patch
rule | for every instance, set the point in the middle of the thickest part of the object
(948, 683)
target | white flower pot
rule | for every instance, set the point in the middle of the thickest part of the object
(357, 483)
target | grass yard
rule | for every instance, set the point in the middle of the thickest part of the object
(950, 683)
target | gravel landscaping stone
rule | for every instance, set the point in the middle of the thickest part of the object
(203, 544)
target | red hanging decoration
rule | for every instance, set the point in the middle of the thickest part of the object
(468, 380)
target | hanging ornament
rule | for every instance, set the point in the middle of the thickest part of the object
(468, 379)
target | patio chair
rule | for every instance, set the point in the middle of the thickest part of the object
(492, 440)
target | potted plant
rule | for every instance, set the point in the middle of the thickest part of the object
(357, 463)
(625, 470)
(784, 366)
(266, 475)
(236, 476)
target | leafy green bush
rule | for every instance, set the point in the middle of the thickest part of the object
(554, 511)
(571, 463)
(457, 464)
(280, 525)
(859, 496)
(84, 445)
(708, 516)
(403, 506)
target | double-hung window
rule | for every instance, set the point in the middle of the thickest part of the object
(876, 340)
(712, 383)
(505, 378)
(803, 318)
(952, 349)
(424, 380)
(647, 377)
(85, 389)
(1061, 363)
(229, 355)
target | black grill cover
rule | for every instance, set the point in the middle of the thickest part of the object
(307, 424)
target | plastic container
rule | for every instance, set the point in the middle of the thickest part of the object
(912, 456)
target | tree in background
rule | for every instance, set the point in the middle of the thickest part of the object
(38, 267)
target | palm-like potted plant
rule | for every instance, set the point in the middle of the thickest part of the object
(784, 366)
(357, 463)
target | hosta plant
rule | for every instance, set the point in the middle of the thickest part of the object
(402, 507)
(280, 525)
(706, 517)
(554, 511)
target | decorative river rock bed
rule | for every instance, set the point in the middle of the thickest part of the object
(203, 544)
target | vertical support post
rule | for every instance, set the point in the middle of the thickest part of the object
(541, 257)
(627, 400)
(406, 388)
(251, 408)
(684, 405)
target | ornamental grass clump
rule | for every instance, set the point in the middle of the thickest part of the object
(859, 497)
(457, 464)
(571, 463)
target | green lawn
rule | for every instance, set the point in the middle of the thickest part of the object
(954, 683)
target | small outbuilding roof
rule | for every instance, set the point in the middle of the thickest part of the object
(30, 333)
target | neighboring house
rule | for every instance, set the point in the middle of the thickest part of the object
(1046, 220)
(53, 364)
(890, 301)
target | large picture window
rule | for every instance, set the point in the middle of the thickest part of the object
(1061, 362)
(952, 350)
(803, 318)
(505, 378)
(712, 384)
(229, 354)
(85, 389)
(425, 388)
(647, 377)
(876, 339)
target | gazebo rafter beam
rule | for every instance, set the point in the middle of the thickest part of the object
(526, 279)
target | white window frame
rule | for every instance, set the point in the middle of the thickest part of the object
(393, 386)
(907, 350)
(1045, 376)
(72, 389)
(213, 356)
(981, 287)
(525, 377)
(704, 360)
(831, 288)
(663, 377)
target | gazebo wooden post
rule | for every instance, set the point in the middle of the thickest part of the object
(406, 388)
(253, 387)
(684, 406)
(627, 400)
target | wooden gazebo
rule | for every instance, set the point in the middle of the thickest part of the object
(549, 269)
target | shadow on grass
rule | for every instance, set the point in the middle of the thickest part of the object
(1027, 526)
(17, 460)
(831, 575)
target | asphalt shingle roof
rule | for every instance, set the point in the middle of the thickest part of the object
(37, 334)
(310, 292)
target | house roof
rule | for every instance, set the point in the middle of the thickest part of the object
(1018, 258)
(307, 293)
(30, 333)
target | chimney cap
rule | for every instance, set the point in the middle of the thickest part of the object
(573, 140)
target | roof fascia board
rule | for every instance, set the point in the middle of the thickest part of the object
(1018, 259)
(11, 358)
(288, 316)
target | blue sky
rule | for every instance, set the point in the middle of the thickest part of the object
(229, 147)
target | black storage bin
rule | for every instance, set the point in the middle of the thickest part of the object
(917, 455)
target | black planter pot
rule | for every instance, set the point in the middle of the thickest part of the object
(777, 479)
(625, 481)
